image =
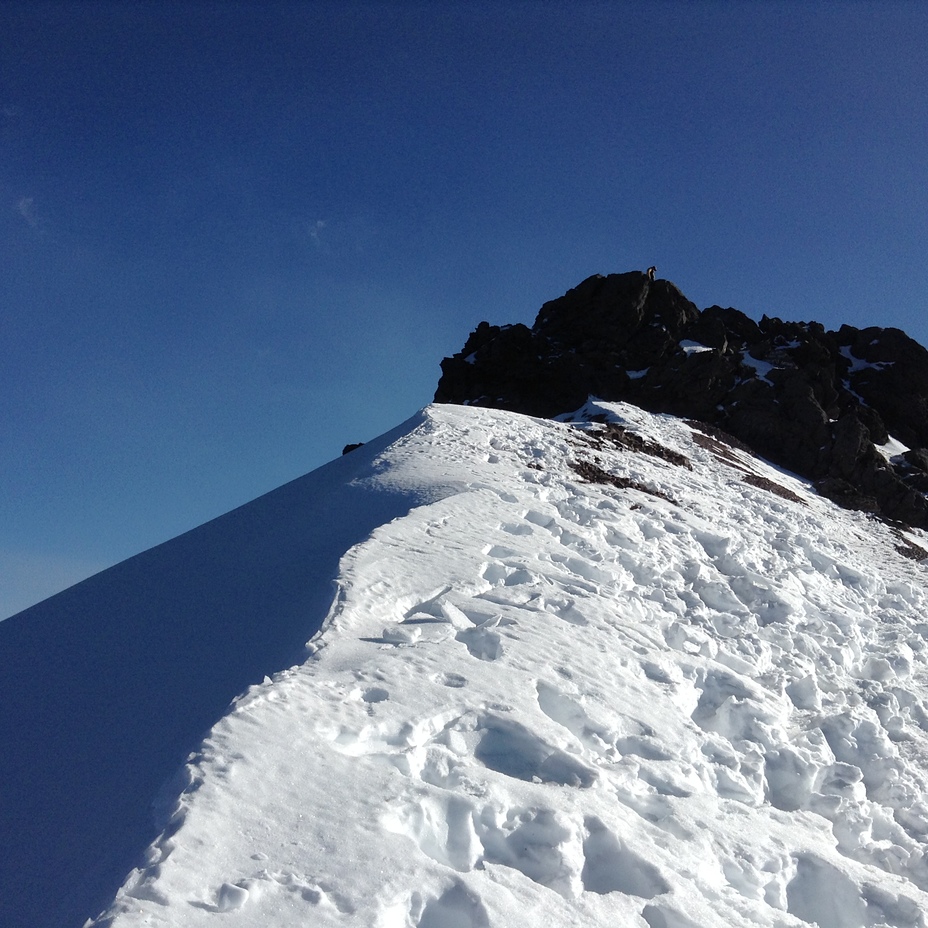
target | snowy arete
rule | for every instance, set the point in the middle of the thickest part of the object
(607, 670)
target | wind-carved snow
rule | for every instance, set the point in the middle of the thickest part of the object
(542, 700)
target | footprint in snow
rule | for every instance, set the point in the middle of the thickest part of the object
(454, 680)
(611, 867)
(375, 694)
(458, 907)
(511, 749)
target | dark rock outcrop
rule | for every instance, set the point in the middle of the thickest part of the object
(814, 401)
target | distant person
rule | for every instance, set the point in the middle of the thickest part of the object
(652, 270)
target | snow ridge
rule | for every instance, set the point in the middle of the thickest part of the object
(688, 695)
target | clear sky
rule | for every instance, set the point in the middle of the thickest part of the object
(235, 236)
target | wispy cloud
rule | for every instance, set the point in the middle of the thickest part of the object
(26, 208)
(338, 237)
(317, 234)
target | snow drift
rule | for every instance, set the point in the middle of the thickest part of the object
(612, 670)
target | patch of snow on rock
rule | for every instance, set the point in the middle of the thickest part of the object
(691, 347)
(892, 449)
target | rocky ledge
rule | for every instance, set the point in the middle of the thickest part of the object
(846, 409)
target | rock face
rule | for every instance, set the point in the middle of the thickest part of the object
(814, 401)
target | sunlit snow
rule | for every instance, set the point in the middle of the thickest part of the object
(691, 347)
(893, 448)
(576, 684)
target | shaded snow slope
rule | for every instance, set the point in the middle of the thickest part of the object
(619, 677)
(106, 687)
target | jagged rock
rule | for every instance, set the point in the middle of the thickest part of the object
(814, 401)
(846, 494)
(917, 459)
(738, 327)
(889, 372)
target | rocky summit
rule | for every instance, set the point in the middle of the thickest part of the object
(845, 409)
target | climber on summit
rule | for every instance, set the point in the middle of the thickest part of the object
(652, 270)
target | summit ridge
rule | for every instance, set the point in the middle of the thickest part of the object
(847, 409)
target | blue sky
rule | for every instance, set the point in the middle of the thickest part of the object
(235, 237)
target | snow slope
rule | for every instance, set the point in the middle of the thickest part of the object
(593, 677)
(106, 687)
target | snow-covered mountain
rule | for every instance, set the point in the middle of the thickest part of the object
(606, 671)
